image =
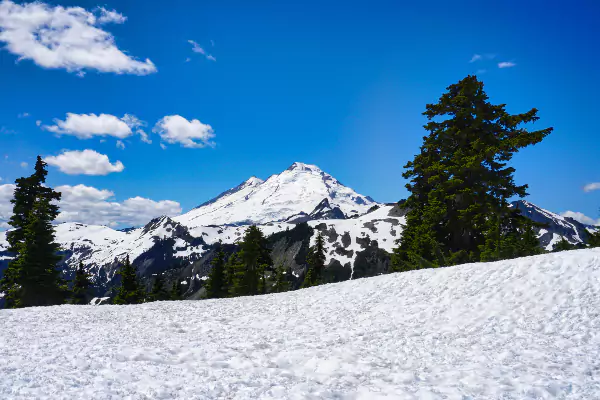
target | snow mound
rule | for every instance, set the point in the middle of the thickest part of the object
(520, 329)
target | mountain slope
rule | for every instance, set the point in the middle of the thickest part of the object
(298, 189)
(516, 329)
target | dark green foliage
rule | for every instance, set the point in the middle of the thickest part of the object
(249, 267)
(131, 290)
(158, 292)
(176, 290)
(81, 286)
(281, 281)
(31, 278)
(216, 285)
(460, 183)
(594, 239)
(316, 263)
(563, 245)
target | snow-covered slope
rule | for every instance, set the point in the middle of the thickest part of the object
(298, 189)
(519, 329)
(556, 226)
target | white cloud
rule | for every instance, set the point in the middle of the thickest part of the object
(6, 194)
(581, 217)
(66, 37)
(476, 57)
(23, 115)
(86, 126)
(506, 64)
(38, 122)
(86, 162)
(144, 136)
(120, 145)
(196, 48)
(24, 164)
(590, 187)
(162, 146)
(89, 205)
(192, 134)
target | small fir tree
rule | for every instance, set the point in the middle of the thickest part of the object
(81, 286)
(131, 290)
(158, 292)
(216, 284)
(281, 282)
(176, 290)
(316, 263)
(562, 245)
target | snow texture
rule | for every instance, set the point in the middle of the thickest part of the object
(521, 329)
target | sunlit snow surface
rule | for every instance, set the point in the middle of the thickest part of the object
(520, 329)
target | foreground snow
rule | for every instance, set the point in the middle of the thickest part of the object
(527, 328)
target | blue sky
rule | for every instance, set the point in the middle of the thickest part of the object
(342, 87)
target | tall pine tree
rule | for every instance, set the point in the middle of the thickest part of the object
(216, 285)
(32, 278)
(460, 183)
(81, 286)
(131, 290)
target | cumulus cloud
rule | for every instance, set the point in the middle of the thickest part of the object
(86, 126)
(6, 194)
(89, 205)
(70, 38)
(590, 187)
(196, 48)
(86, 162)
(506, 64)
(192, 134)
(581, 217)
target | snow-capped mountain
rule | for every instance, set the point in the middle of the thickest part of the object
(359, 232)
(298, 189)
(555, 226)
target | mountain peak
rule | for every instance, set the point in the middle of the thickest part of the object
(298, 166)
(253, 181)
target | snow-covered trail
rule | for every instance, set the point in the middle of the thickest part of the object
(526, 328)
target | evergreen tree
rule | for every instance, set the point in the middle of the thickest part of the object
(281, 282)
(316, 263)
(216, 284)
(249, 266)
(594, 239)
(176, 290)
(31, 278)
(131, 290)
(562, 245)
(460, 182)
(158, 291)
(81, 286)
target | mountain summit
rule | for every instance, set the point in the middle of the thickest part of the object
(298, 189)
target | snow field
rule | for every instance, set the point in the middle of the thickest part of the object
(519, 329)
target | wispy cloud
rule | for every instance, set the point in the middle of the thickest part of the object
(481, 71)
(506, 64)
(196, 48)
(23, 115)
(590, 187)
(476, 57)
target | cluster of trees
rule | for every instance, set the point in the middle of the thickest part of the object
(250, 271)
